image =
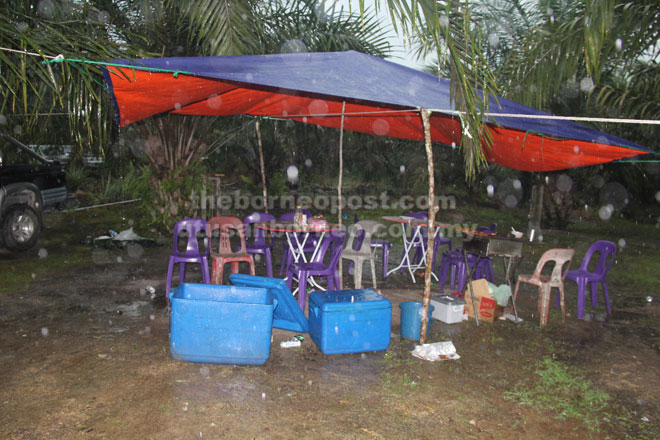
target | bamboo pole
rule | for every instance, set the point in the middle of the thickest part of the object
(261, 165)
(426, 117)
(340, 266)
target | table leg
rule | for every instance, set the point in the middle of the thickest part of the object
(468, 274)
(509, 265)
(407, 245)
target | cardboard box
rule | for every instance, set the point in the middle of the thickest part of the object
(487, 308)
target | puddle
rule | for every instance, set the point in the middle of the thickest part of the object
(132, 310)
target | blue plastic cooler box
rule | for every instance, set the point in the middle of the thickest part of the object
(350, 321)
(221, 324)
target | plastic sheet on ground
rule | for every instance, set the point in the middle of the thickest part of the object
(500, 294)
(121, 239)
(437, 351)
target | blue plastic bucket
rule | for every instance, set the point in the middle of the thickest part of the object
(411, 319)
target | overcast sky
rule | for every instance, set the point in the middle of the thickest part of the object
(399, 54)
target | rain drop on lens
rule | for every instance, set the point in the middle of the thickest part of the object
(46, 9)
(564, 183)
(587, 85)
(43, 253)
(292, 173)
(402, 169)
(490, 189)
(510, 201)
(622, 242)
(657, 197)
(605, 212)
(618, 44)
(308, 163)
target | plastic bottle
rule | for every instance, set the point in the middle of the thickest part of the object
(297, 217)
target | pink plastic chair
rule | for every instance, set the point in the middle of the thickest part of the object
(562, 260)
(225, 254)
(192, 254)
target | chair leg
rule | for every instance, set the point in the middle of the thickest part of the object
(285, 259)
(220, 272)
(386, 258)
(544, 302)
(206, 279)
(182, 272)
(289, 279)
(582, 292)
(607, 297)
(373, 272)
(357, 274)
(562, 302)
(251, 263)
(269, 263)
(214, 270)
(594, 294)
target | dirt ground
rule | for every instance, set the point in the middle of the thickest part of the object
(85, 354)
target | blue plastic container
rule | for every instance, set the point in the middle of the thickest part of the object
(287, 314)
(221, 324)
(411, 319)
(350, 321)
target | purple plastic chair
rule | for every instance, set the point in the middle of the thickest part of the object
(454, 261)
(332, 245)
(192, 254)
(310, 244)
(583, 276)
(376, 243)
(259, 244)
(490, 229)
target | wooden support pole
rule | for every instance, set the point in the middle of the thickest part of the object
(426, 120)
(261, 165)
(340, 267)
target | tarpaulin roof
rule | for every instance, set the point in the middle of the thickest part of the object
(381, 98)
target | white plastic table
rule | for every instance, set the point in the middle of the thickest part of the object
(416, 239)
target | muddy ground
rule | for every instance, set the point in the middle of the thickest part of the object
(84, 353)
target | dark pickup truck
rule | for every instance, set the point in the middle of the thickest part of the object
(28, 184)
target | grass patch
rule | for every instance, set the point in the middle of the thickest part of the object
(18, 274)
(563, 392)
(64, 244)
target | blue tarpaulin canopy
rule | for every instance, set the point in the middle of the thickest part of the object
(381, 98)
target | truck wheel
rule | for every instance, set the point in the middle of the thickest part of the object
(20, 228)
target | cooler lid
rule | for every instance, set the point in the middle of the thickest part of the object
(287, 314)
(357, 299)
(448, 300)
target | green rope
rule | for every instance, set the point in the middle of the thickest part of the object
(130, 66)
